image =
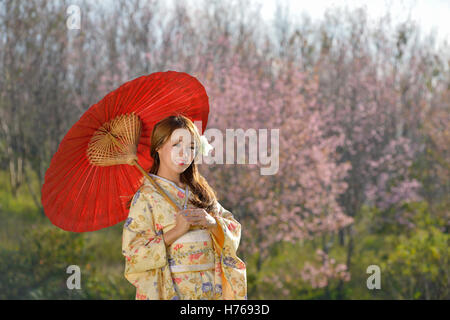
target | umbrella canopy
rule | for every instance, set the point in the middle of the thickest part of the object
(81, 193)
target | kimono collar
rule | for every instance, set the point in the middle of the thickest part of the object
(186, 191)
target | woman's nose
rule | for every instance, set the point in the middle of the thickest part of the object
(186, 152)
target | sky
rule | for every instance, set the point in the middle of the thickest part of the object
(428, 14)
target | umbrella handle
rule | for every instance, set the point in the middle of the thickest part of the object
(156, 185)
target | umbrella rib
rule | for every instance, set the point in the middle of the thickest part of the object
(130, 93)
(155, 98)
(67, 193)
(66, 172)
(142, 87)
(161, 106)
(126, 176)
(81, 215)
(84, 182)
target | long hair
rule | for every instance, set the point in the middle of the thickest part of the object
(203, 196)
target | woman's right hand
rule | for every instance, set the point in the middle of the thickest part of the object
(183, 220)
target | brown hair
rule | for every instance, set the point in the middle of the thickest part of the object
(203, 195)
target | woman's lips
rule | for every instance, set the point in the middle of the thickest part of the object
(181, 162)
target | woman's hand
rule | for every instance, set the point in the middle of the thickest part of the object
(187, 218)
(202, 218)
(182, 225)
(183, 221)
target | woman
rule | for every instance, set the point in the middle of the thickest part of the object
(185, 254)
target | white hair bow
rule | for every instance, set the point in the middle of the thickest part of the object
(204, 147)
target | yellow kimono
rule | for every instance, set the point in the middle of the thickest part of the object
(197, 266)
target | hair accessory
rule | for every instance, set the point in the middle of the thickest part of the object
(205, 147)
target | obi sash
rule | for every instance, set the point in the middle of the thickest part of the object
(193, 251)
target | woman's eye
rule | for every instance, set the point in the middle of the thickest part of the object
(177, 144)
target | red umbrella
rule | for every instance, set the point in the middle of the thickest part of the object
(101, 161)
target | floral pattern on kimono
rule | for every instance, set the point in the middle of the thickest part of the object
(207, 269)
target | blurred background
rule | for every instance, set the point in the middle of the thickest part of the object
(361, 96)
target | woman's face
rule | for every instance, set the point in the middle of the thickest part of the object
(177, 153)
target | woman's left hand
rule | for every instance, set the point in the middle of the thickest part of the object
(202, 218)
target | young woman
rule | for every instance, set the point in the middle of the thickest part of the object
(188, 253)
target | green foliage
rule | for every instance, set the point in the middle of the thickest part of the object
(280, 275)
(34, 254)
(21, 206)
(417, 267)
(413, 260)
(37, 268)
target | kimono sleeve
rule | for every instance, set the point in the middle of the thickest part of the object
(226, 243)
(143, 246)
(230, 228)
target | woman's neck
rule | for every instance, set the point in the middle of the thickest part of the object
(171, 176)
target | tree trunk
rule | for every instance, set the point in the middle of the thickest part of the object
(36, 198)
(350, 247)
